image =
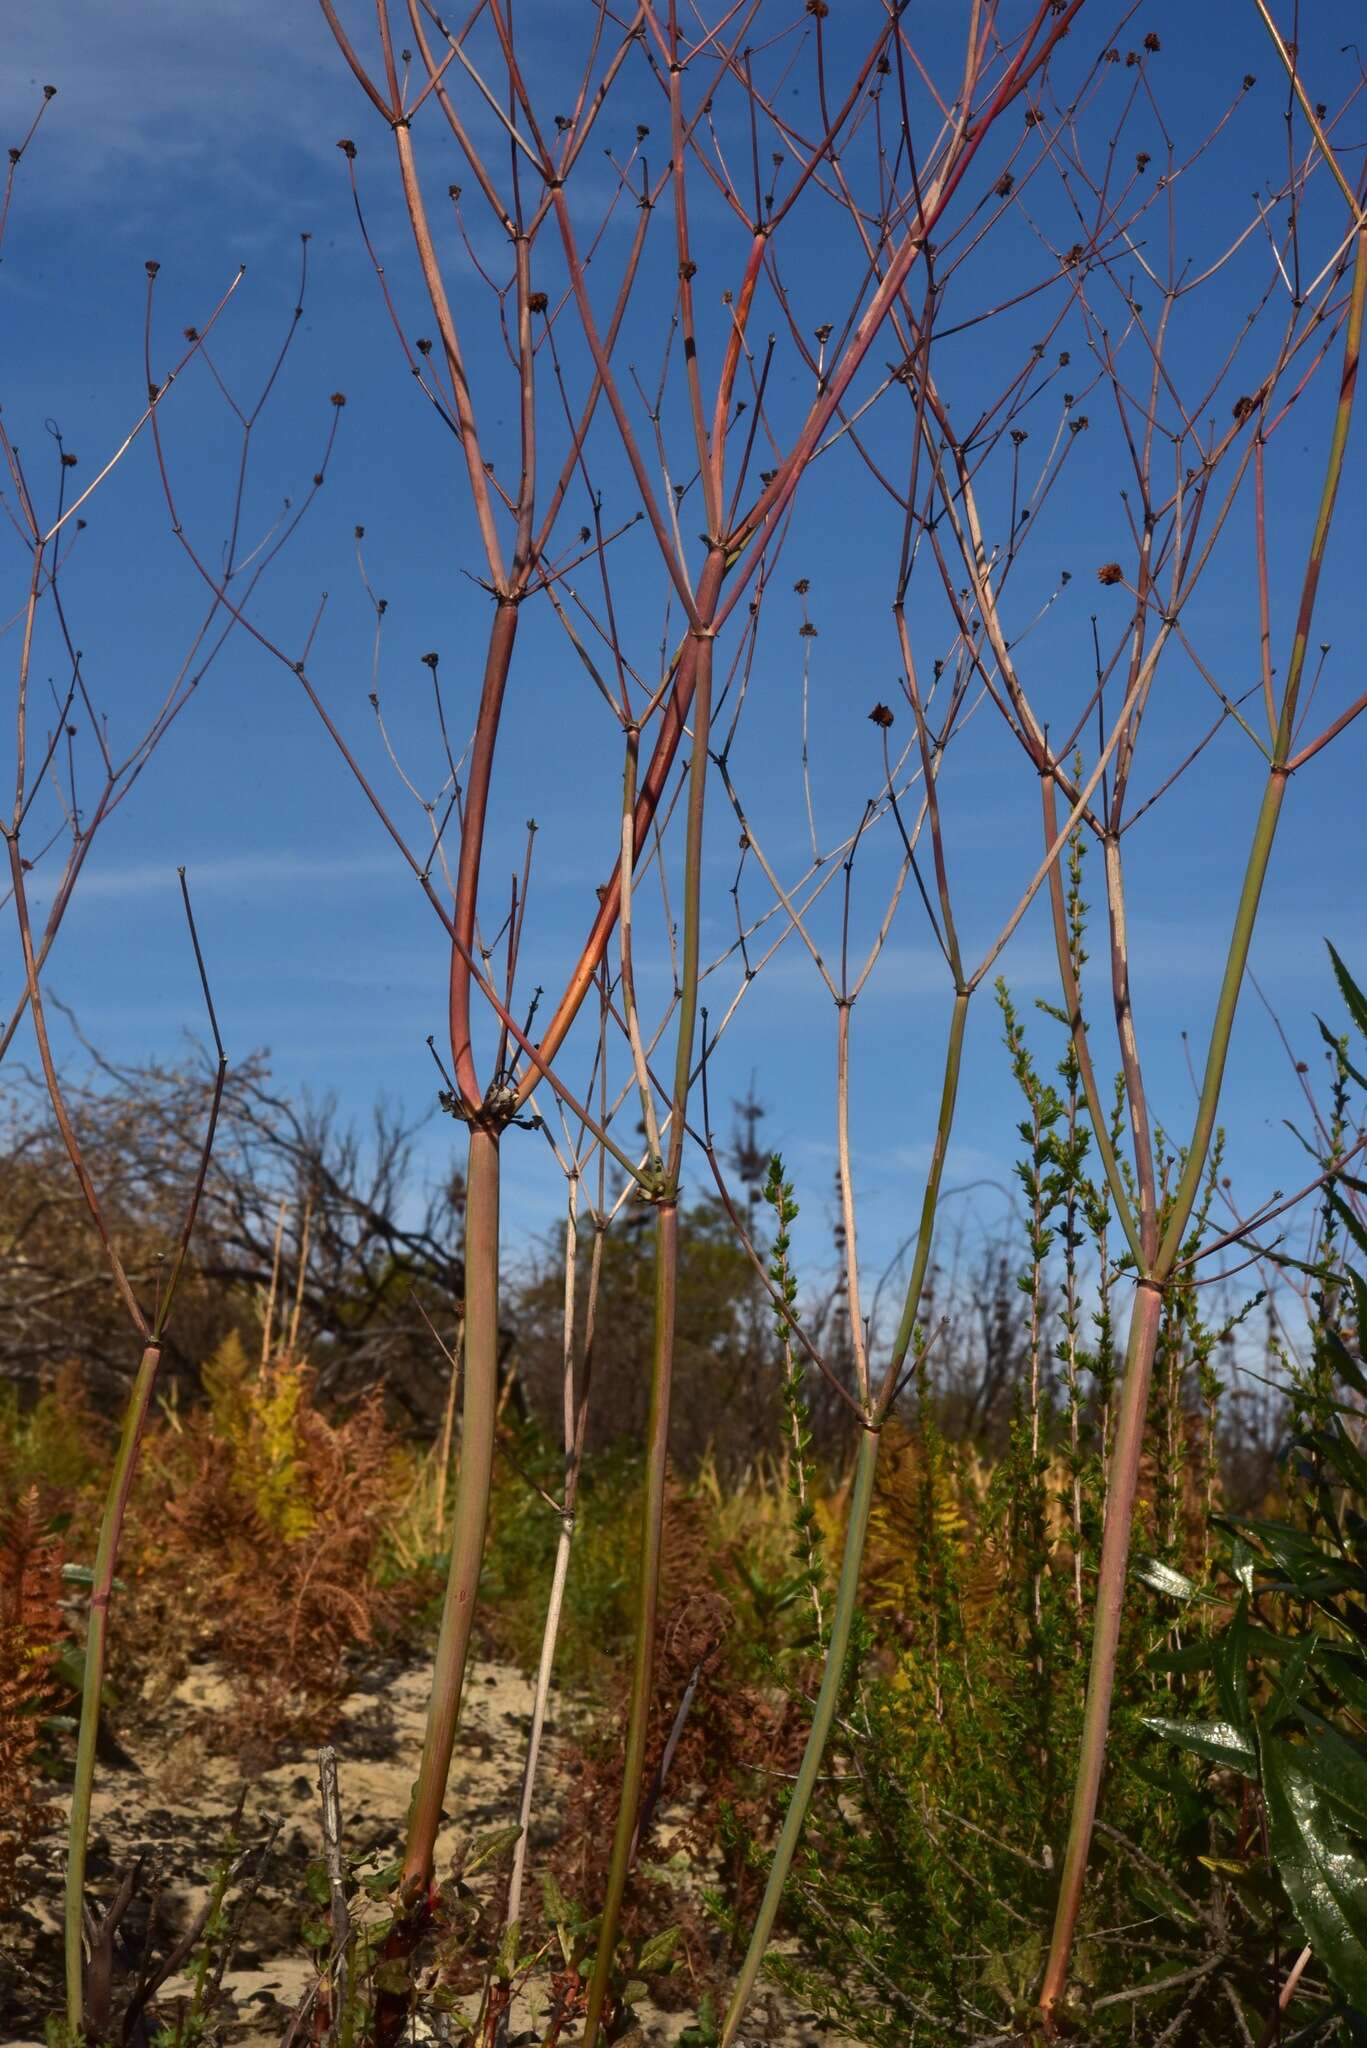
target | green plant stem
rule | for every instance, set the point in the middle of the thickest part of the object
(1145, 1317)
(662, 1355)
(1110, 1603)
(823, 1715)
(478, 1414)
(856, 1532)
(1134, 1395)
(930, 1200)
(92, 1683)
(647, 1607)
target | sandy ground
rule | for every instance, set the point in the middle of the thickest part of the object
(173, 1799)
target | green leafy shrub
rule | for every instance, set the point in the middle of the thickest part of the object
(1289, 1672)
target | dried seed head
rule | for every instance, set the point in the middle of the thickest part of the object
(151, 267)
(348, 148)
(1004, 184)
(687, 270)
(802, 586)
(430, 661)
(537, 302)
(1110, 572)
(1151, 42)
(360, 533)
(339, 398)
(881, 716)
(424, 345)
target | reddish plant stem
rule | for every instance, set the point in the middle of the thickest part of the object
(498, 661)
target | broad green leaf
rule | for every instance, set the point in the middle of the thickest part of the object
(1338, 1770)
(1324, 1874)
(1219, 1742)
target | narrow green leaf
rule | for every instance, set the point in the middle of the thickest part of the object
(487, 1846)
(1351, 993)
(1219, 1742)
(1289, 1682)
(658, 1951)
(1163, 1579)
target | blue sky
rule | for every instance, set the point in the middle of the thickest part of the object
(204, 139)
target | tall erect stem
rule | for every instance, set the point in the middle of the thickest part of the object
(662, 1362)
(856, 1531)
(478, 1412)
(647, 1609)
(497, 665)
(823, 1715)
(1145, 1317)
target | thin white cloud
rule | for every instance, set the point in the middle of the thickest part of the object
(257, 874)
